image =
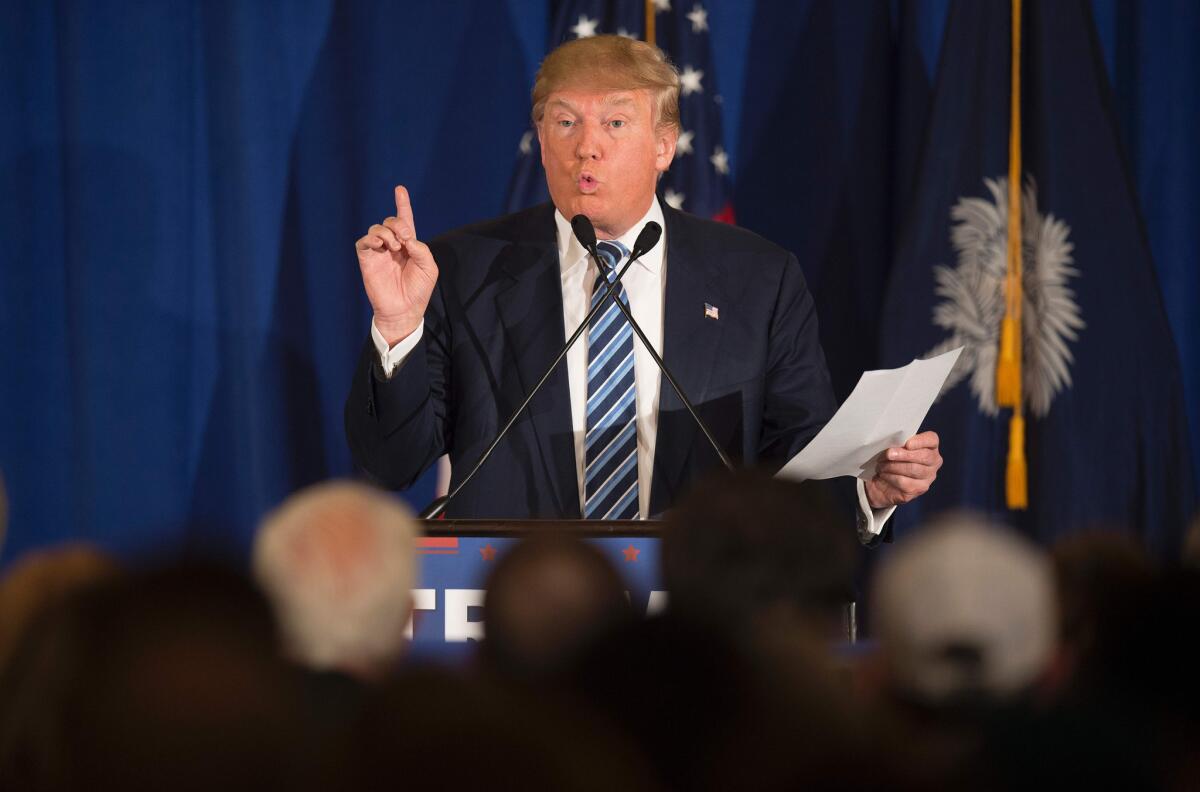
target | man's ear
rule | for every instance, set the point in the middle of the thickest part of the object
(664, 147)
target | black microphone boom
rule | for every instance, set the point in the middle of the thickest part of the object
(647, 239)
(584, 232)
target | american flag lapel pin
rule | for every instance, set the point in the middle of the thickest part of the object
(711, 311)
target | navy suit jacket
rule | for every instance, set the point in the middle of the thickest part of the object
(495, 322)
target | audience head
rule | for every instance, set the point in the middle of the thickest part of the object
(161, 679)
(42, 579)
(432, 729)
(964, 612)
(712, 711)
(547, 597)
(747, 545)
(338, 562)
(1101, 580)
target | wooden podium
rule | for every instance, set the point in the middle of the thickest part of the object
(641, 529)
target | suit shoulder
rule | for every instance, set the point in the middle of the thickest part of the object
(726, 237)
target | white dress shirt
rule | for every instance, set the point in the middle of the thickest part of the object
(645, 284)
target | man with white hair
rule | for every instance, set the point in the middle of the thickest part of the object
(338, 562)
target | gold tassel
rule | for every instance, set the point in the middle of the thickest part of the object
(1017, 475)
(1009, 359)
(1008, 366)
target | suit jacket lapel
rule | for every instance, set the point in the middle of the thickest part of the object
(531, 310)
(690, 342)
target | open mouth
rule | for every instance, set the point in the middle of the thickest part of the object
(588, 183)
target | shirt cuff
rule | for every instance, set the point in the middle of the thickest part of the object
(391, 358)
(870, 521)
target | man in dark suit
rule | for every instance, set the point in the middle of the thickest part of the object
(464, 327)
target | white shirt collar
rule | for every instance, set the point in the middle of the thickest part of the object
(571, 253)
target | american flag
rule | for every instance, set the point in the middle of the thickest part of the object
(698, 181)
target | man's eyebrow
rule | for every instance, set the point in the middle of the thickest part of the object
(619, 100)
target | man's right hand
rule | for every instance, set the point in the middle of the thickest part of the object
(398, 272)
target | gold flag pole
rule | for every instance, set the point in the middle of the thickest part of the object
(649, 21)
(1008, 364)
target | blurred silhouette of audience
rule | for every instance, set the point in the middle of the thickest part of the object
(965, 617)
(993, 665)
(711, 713)
(548, 597)
(1101, 579)
(338, 563)
(964, 612)
(1124, 710)
(167, 678)
(734, 686)
(42, 579)
(744, 550)
(436, 729)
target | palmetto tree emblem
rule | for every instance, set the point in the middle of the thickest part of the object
(972, 293)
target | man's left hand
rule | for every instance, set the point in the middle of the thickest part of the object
(906, 472)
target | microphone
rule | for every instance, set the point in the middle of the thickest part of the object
(586, 234)
(647, 239)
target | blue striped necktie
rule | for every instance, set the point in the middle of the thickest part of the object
(610, 458)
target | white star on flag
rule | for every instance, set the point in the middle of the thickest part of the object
(585, 27)
(662, 5)
(673, 199)
(624, 33)
(720, 160)
(684, 144)
(699, 18)
(526, 144)
(689, 81)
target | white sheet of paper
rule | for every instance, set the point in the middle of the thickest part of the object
(885, 409)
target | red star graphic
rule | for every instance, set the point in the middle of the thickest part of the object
(631, 554)
(488, 552)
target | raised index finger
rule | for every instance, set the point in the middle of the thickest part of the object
(404, 208)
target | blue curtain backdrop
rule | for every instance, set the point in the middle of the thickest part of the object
(180, 307)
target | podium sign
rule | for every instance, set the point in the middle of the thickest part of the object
(456, 557)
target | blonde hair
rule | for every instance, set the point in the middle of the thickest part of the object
(610, 63)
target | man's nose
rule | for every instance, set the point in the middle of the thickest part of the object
(589, 146)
